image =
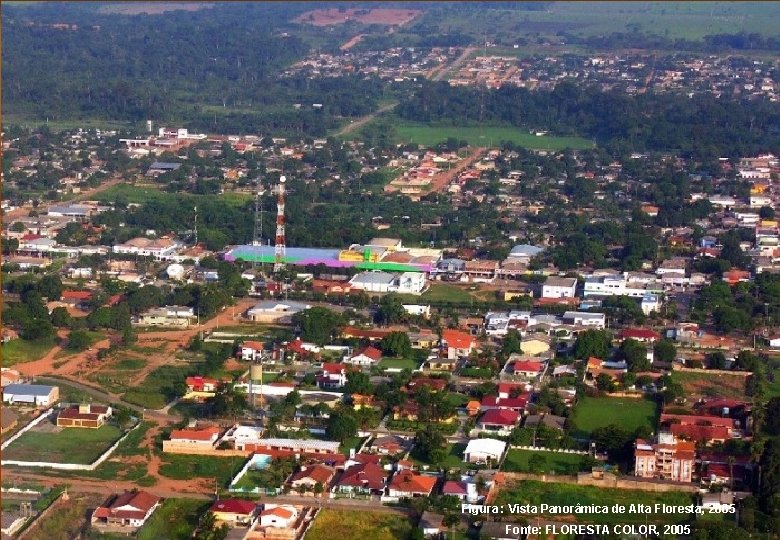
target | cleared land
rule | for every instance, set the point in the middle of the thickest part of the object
(174, 520)
(697, 384)
(543, 462)
(65, 520)
(183, 467)
(326, 17)
(62, 445)
(592, 413)
(151, 8)
(487, 136)
(140, 195)
(398, 363)
(21, 350)
(532, 492)
(359, 524)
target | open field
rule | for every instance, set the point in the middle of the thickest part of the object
(65, 520)
(710, 384)
(689, 20)
(441, 292)
(397, 363)
(553, 462)
(69, 445)
(21, 350)
(184, 467)
(359, 524)
(531, 492)
(116, 374)
(487, 136)
(326, 17)
(174, 520)
(140, 195)
(163, 385)
(592, 413)
(151, 8)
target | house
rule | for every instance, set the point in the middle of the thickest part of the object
(439, 364)
(199, 387)
(332, 376)
(409, 483)
(37, 395)
(642, 335)
(174, 316)
(409, 411)
(584, 318)
(309, 476)
(273, 312)
(84, 416)
(162, 248)
(431, 524)
(551, 421)
(556, 287)
(669, 458)
(525, 368)
(465, 491)
(9, 376)
(363, 479)
(234, 512)
(517, 404)
(472, 408)
(457, 344)
(367, 356)
(278, 516)
(252, 351)
(127, 512)
(389, 445)
(76, 298)
(183, 440)
(498, 421)
(483, 450)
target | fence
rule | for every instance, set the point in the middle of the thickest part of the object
(72, 466)
(543, 449)
(43, 416)
(606, 480)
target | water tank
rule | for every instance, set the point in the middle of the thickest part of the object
(725, 411)
(256, 372)
(175, 271)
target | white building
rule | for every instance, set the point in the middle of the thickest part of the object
(581, 318)
(556, 287)
(483, 450)
(271, 311)
(620, 285)
(650, 303)
(385, 282)
(161, 248)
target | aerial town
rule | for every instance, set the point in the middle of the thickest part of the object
(375, 324)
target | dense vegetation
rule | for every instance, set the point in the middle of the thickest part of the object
(701, 127)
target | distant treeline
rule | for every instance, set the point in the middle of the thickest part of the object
(708, 44)
(702, 126)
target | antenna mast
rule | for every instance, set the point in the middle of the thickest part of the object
(196, 226)
(280, 248)
(257, 239)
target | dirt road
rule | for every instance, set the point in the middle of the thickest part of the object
(454, 65)
(362, 121)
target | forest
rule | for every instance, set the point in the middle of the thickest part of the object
(701, 127)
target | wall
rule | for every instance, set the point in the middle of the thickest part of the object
(43, 416)
(608, 481)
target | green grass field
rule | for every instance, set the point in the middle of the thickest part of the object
(441, 292)
(183, 467)
(487, 136)
(71, 445)
(174, 520)
(531, 492)
(591, 413)
(159, 388)
(517, 461)
(359, 524)
(21, 350)
(397, 363)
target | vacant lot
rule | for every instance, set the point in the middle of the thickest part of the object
(162, 385)
(397, 363)
(359, 524)
(65, 520)
(151, 8)
(543, 462)
(21, 350)
(487, 137)
(174, 520)
(710, 384)
(592, 413)
(183, 467)
(326, 17)
(62, 445)
(531, 492)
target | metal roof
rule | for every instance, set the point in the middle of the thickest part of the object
(28, 389)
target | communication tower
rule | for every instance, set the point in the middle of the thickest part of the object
(257, 238)
(279, 249)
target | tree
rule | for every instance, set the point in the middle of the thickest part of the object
(665, 351)
(396, 344)
(391, 310)
(358, 383)
(429, 445)
(766, 212)
(37, 330)
(78, 340)
(60, 317)
(592, 343)
(341, 426)
(50, 287)
(716, 360)
(18, 226)
(635, 355)
(317, 324)
(604, 382)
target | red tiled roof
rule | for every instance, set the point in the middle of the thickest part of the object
(234, 506)
(371, 352)
(333, 368)
(701, 433)
(255, 345)
(639, 333)
(278, 511)
(453, 488)
(457, 339)
(76, 295)
(696, 420)
(501, 417)
(526, 366)
(367, 475)
(203, 434)
(413, 482)
(318, 473)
